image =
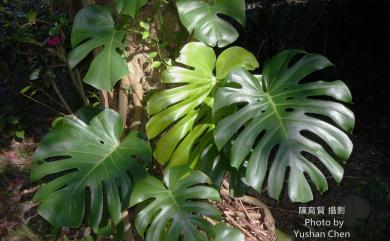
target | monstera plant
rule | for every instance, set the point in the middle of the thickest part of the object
(280, 112)
(187, 108)
(176, 209)
(209, 114)
(95, 27)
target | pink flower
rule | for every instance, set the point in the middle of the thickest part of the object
(54, 41)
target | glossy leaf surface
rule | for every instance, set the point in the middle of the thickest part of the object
(183, 114)
(277, 112)
(201, 18)
(226, 233)
(89, 160)
(93, 28)
(178, 206)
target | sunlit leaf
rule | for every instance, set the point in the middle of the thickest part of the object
(277, 111)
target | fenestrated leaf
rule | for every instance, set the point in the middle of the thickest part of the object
(183, 114)
(130, 7)
(201, 18)
(88, 157)
(178, 206)
(94, 27)
(278, 111)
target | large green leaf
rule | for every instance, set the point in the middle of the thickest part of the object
(130, 7)
(201, 18)
(178, 207)
(94, 27)
(89, 160)
(277, 111)
(183, 114)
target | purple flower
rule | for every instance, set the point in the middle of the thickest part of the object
(54, 41)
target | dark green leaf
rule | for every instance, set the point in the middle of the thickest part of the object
(130, 7)
(89, 160)
(216, 165)
(277, 110)
(226, 233)
(94, 27)
(177, 207)
(201, 18)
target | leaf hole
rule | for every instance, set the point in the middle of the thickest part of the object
(294, 60)
(317, 162)
(324, 97)
(289, 109)
(317, 139)
(259, 137)
(323, 118)
(57, 158)
(179, 64)
(290, 98)
(101, 142)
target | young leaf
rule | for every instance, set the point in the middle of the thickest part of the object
(152, 55)
(94, 27)
(89, 158)
(201, 18)
(144, 25)
(20, 134)
(279, 111)
(156, 64)
(25, 89)
(184, 112)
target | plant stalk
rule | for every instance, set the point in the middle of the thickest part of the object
(64, 102)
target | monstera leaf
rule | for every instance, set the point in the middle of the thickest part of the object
(277, 112)
(89, 159)
(183, 114)
(176, 210)
(224, 233)
(130, 7)
(215, 164)
(201, 18)
(94, 27)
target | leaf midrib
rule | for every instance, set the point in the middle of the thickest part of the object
(93, 169)
(278, 116)
(109, 52)
(177, 206)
